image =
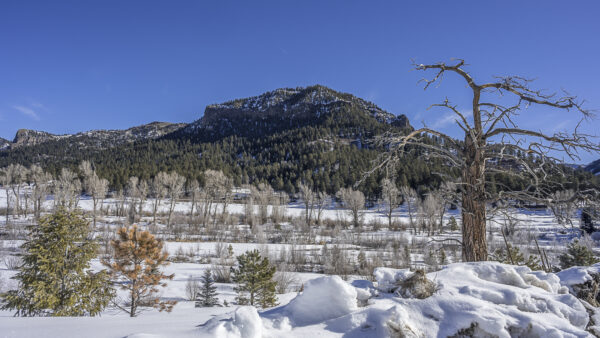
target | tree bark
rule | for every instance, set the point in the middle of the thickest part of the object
(473, 204)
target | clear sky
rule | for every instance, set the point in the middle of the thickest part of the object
(69, 66)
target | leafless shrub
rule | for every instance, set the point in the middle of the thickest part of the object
(12, 262)
(192, 287)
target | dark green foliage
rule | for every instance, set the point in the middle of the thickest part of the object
(588, 216)
(453, 224)
(54, 279)
(207, 296)
(254, 278)
(577, 255)
(515, 256)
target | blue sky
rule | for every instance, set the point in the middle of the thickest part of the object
(68, 66)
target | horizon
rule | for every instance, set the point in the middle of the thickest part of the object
(74, 67)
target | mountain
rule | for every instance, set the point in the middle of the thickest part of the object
(593, 167)
(284, 137)
(284, 109)
(96, 138)
(4, 143)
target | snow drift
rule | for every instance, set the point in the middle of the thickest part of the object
(471, 299)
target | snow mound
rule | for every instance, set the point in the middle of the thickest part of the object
(578, 275)
(323, 298)
(245, 323)
(496, 299)
(483, 299)
(388, 278)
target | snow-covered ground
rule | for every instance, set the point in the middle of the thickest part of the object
(489, 299)
(486, 298)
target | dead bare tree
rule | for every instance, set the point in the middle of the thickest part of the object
(493, 137)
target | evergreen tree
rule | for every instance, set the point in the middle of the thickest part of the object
(587, 220)
(514, 256)
(254, 278)
(577, 255)
(207, 297)
(453, 224)
(137, 259)
(54, 279)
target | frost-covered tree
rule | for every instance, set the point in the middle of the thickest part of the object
(308, 198)
(137, 261)
(67, 189)
(391, 197)
(410, 197)
(95, 186)
(174, 183)
(41, 188)
(159, 191)
(354, 201)
(54, 278)
(207, 296)
(254, 278)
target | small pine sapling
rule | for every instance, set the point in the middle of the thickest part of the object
(207, 296)
(137, 260)
(254, 278)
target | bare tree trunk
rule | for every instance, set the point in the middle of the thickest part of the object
(473, 205)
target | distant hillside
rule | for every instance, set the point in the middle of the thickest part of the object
(283, 137)
(287, 108)
(594, 167)
(4, 143)
(96, 138)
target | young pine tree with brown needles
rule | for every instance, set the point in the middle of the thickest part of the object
(136, 262)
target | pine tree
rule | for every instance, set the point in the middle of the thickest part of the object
(577, 255)
(254, 278)
(514, 256)
(207, 297)
(137, 259)
(453, 224)
(54, 279)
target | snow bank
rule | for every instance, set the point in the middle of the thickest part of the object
(495, 299)
(388, 278)
(578, 274)
(245, 323)
(323, 298)
(484, 299)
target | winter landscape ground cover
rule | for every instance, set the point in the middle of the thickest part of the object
(468, 299)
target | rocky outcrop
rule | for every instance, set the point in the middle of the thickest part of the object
(96, 138)
(4, 143)
(27, 137)
(287, 108)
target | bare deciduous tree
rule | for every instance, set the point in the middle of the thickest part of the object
(67, 189)
(95, 186)
(174, 183)
(308, 198)
(410, 197)
(391, 197)
(41, 188)
(354, 201)
(492, 135)
(159, 191)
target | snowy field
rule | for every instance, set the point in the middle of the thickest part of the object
(490, 299)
